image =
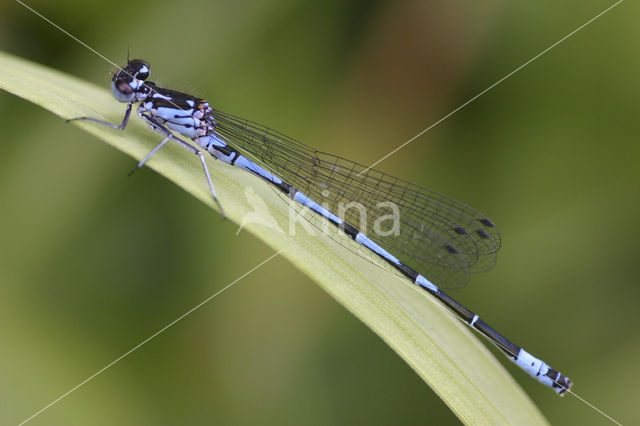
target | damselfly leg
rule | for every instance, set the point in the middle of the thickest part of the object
(160, 128)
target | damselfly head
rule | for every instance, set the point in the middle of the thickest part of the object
(129, 81)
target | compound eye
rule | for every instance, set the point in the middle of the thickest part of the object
(122, 90)
(123, 87)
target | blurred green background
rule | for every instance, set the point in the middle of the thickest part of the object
(92, 263)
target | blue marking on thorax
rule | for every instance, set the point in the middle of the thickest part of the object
(176, 115)
(189, 132)
(157, 95)
(304, 200)
(366, 241)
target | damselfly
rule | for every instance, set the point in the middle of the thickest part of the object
(441, 237)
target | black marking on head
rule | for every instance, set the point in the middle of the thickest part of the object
(139, 69)
(486, 222)
(135, 69)
(482, 233)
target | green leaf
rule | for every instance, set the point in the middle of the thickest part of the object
(440, 348)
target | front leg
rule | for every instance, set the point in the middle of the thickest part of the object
(121, 126)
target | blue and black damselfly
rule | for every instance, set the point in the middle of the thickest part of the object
(432, 233)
